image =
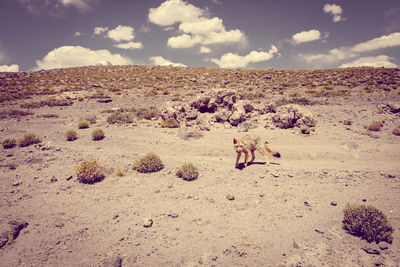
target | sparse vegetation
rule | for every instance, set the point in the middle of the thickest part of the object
(188, 172)
(91, 119)
(71, 135)
(119, 171)
(367, 222)
(120, 118)
(14, 113)
(147, 113)
(9, 143)
(375, 126)
(83, 124)
(89, 172)
(29, 139)
(97, 134)
(169, 123)
(148, 163)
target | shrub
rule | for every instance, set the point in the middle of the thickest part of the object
(375, 126)
(9, 143)
(148, 163)
(120, 118)
(83, 124)
(169, 123)
(188, 172)
(396, 131)
(89, 172)
(119, 171)
(71, 135)
(147, 113)
(97, 134)
(367, 222)
(29, 139)
(91, 119)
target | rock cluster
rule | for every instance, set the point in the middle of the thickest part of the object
(225, 107)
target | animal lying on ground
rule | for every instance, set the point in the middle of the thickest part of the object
(251, 143)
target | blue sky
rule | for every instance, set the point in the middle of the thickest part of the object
(290, 34)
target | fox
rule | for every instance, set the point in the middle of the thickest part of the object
(250, 143)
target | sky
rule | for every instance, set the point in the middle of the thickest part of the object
(287, 34)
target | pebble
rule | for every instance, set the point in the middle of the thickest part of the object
(383, 245)
(334, 203)
(173, 215)
(230, 197)
(17, 183)
(147, 223)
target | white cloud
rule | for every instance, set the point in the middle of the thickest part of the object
(173, 11)
(99, 30)
(11, 68)
(306, 36)
(378, 61)
(77, 34)
(230, 60)
(165, 62)
(121, 33)
(81, 5)
(184, 41)
(204, 50)
(130, 45)
(384, 41)
(75, 56)
(346, 52)
(56, 8)
(335, 10)
(194, 25)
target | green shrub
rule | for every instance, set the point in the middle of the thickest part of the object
(188, 172)
(148, 163)
(29, 139)
(83, 124)
(71, 135)
(89, 172)
(367, 222)
(9, 143)
(169, 123)
(120, 118)
(97, 134)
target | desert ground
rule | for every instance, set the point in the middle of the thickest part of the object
(288, 213)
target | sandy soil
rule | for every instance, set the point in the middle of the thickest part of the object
(286, 214)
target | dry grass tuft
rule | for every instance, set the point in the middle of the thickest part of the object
(89, 172)
(188, 172)
(29, 139)
(148, 163)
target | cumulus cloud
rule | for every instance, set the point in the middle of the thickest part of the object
(378, 61)
(158, 60)
(231, 60)
(204, 50)
(306, 36)
(77, 34)
(335, 10)
(346, 52)
(11, 68)
(130, 45)
(195, 26)
(99, 30)
(75, 56)
(384, 41)
(121, 33)
(173, 11)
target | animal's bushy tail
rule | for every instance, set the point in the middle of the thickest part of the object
(276, 154)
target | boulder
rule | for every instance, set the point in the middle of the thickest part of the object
(222, 115)
(290, 116)
(238, 115)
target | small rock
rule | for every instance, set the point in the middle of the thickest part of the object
(379, 261)
(69, 178)
(113, 261)
(334, 203)
(383, 245)
(16, 183)
(275, 175)
(147, 223)
(173, 215)
(105, 100)
(230, 197)
(53, 180)
(295, 245)
(371, 249)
